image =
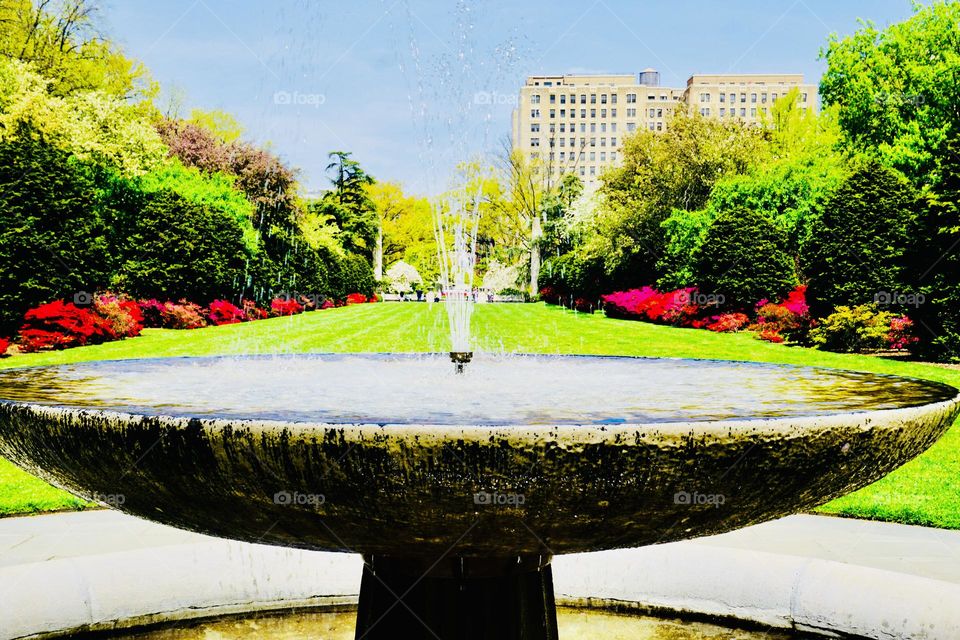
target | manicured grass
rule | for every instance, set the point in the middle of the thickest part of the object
(925, 491)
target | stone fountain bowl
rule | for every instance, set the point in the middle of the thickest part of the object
(522, 455)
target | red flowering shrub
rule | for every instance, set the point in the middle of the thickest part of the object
(356, 298)
(673, 307)
(253, 312)
(183, 315)
(550, 295)
(901, 335)
(787, 319)
(4, 345)
(328, 304)
(770, 335)
(58, 324)
(285, 307)
(123, 314)
(727, 322)
(223, 312)
(152, 312)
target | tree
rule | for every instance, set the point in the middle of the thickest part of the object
(220, 123)
(349, 204)
(60, 39)
(54, 228)
(743, 258)
(172, 248)
(899, 89)
(400, 224)
(938, 264)
(859, 247)
(662, 172)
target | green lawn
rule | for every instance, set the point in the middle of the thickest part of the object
(925, 491)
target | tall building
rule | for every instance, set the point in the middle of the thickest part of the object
(576, 123)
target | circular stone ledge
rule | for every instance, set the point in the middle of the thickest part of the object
(209, 577)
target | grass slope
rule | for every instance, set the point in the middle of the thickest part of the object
(925, 491)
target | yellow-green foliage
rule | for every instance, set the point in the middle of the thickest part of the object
(90, 124)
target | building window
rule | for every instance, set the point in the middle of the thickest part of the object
(603, 142)
(593, 171)
(651, 126)
(660, 126)
(733, 97)
(613, 113)
(705, 111)
(603, 99)
(763, 98)
(613, 156)
(743, 97)
(583, 113)
(583, 98)
(583, 171)
(562, 153)
(804, 96)
(773, 97)
(535, 127)
(553, 98)
(723, 112)
(631, 113)
(593, 156)
(613, 127)
(603, 127)
(593, 142)
(534, 155)
(704, 97)
(534, 142)
(631, 98)
(572, 142)
(651, 97)
(583, 127)
(563, 142)
(593, 127)
(563, 113)
(613, 142)
(573, 98)
(535, 98)
(553, 113)
(553, 128)
(753, 98)
(563, 127)
(743, 113)
(631, 126)
(534, 113)
(723, 97)
(593, 98)
(660, 113)
(603, 113)
(653, 113)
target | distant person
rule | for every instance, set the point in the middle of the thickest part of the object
(419, 295)
(489, 296)
(403, 296)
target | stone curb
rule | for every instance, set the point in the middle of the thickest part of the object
(208, 578)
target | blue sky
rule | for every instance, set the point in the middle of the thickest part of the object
(412, 87)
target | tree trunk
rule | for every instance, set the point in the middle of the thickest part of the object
(535, 234)
(378, 256)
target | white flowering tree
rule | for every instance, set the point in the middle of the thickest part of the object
(500, 277)
(402, 276)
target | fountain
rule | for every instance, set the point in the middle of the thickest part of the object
(459, 501)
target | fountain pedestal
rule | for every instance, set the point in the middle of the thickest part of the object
(457, 598)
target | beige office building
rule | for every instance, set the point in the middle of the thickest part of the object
(576, 123)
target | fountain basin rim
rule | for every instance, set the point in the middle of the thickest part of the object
(428, 433)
